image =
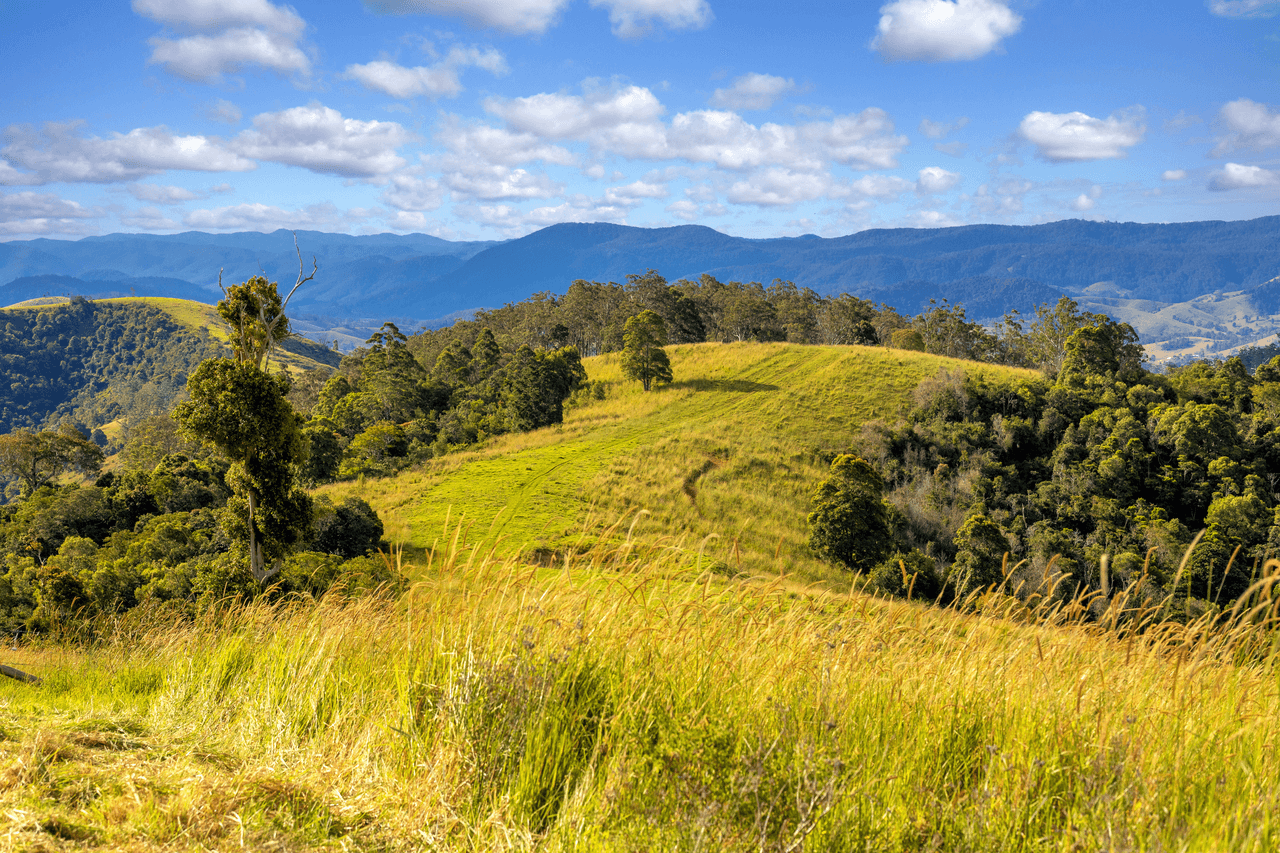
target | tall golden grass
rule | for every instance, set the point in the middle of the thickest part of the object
(624, 699)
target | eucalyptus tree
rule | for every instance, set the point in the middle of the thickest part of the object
(243, 410)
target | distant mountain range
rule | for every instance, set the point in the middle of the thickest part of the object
(1124, 268)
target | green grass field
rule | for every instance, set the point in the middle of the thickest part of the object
(620, 687)
(732, 449)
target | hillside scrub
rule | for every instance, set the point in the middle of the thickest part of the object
(623, 702)
(90, 363)
(1104, 461)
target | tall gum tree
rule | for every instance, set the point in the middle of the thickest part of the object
(643, 356)
(239, 407)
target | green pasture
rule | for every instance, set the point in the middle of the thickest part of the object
(731, 450)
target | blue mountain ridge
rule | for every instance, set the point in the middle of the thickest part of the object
(988, 268)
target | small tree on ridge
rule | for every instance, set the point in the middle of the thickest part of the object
(643, 356)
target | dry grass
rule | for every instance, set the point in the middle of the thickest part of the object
(625, 701)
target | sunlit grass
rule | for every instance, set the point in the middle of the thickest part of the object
(625, 701)
(733, 448)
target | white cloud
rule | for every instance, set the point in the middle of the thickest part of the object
(608, 117)
(205, 58)
(409, 193)
(941, 30)
(752, 92)
(158, 194)
(57, 153)
(1234, 176)
(635, 18)
(31, 214)
(1174, 175)
(778, 188)
(883, 187)
(1248, 125)
(1074, 137)
(320, 139)
(482, 144)
(224, 36)
(522, 17)
(636, 190)
(934, 219)
(1244, 8)
(683, 209)
(442, 80)
(496, 182)
(262, 217)
(937, 129)
(934, 179)
(781, 165)
(219, 14)
(1082, 203)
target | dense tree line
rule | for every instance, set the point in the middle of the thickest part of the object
(1099, 457)
(592, 317)
(90, 363)
(164, 532)
(397, 401)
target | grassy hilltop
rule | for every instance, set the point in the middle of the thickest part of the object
(627, 695)
(733, 448)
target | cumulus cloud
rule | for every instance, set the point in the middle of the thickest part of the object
(1075, 137)
(57, 153)
(442, 80)
(934, 180)
(752, 92)
(1086, 201)
(320, 139)
(1174, 175)
(262, 217)
(157, 194)
(32, 214)
(883, 187)
(683, 209)
(522, 17)
(635, 18)
(628, 122)
(224, 37)
(485, 145)
(1234, 176)
(1248, 124)
(943, 30)
(1244, 8)
(636, 191)
(496, 182)
(412, 193)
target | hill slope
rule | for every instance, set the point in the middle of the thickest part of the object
(99, 364)
(733, 448)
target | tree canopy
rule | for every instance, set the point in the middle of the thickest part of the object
(643, 356)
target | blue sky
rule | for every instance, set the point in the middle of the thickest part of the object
(484, 119)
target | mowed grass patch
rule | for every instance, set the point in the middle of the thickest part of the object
(723, 461)
(623, 702)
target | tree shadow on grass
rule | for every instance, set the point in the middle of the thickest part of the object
(742, 386)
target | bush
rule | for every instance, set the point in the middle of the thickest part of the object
(913, 572)
(849, 523)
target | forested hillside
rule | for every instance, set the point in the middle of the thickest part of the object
(91, 363)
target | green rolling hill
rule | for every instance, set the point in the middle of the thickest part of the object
(731, 450)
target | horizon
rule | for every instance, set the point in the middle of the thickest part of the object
(491, 120)
(626, 225)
